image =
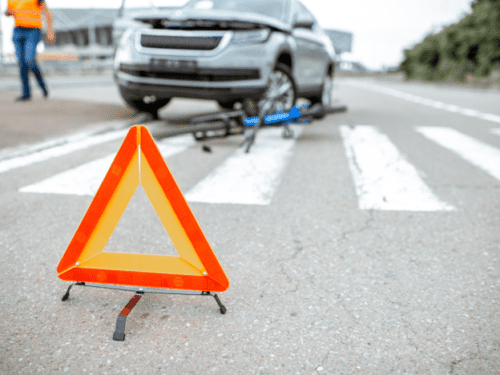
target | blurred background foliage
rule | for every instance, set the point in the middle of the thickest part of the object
(468, 48)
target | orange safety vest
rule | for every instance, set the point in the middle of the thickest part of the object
(27, 13)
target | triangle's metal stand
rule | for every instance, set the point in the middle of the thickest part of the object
(119, 334)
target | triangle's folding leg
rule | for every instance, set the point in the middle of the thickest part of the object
(66, 295)
(222, 308)
(119, 334)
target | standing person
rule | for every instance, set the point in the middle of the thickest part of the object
(27, 33)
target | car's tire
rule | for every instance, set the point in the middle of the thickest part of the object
(227, 105)
(281, 78)
(325, 97)
(151, 108)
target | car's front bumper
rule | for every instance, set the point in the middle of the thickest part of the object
(138, 90)
(216, 84)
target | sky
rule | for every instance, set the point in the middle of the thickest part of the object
(381, 29)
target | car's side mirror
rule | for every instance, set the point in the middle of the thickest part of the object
(303, 24)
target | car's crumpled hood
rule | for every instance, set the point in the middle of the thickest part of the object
(212, 15)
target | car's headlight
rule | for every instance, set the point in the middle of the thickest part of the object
(125, 50)
(247, 37)
(128, 36)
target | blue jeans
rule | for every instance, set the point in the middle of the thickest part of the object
(25, 39)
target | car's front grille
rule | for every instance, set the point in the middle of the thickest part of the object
(204, 75)
(202, 43)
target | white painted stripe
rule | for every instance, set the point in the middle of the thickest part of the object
(248, 178)
(86, 179)
(452, 108)
(25, 150)
(384, 180)
(475, 152)
(496, 131)
(428, 102)
(490, 117)
(53, 151)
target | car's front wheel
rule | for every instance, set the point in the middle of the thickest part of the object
(325, 99)
(281, 92)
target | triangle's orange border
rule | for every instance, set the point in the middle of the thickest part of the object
(213, 279)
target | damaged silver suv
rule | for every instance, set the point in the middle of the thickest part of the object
(231, 51)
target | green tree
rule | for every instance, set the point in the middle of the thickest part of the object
(471, 46)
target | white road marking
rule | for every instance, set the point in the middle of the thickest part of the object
(51, 150)
(86, 179)
(475, 152)
(21, 151)
(248, 178)
(496, 131)
(428, 102)
(384, 180)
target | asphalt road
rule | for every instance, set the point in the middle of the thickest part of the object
(369, 244)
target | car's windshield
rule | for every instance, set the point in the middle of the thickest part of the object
(270, 8)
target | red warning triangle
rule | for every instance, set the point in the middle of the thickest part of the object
(139, 162)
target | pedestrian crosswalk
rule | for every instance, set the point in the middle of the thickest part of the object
(64, 146)
(383, 178)
(248, 178)
(476, 152)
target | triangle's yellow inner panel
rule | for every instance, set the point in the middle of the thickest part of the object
(141, 262)
(93, 255)
(167, 216)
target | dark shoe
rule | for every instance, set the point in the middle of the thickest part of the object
(22, 99)
(45, 93)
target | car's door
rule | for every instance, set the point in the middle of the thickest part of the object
(310, 56)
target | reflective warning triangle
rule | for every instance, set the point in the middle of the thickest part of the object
(139, 162)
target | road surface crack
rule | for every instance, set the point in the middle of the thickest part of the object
(471, 358)
(366, 225)
(299, 248)
(407, 324)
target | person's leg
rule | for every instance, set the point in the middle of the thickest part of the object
(32, 39)
(19, 41)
